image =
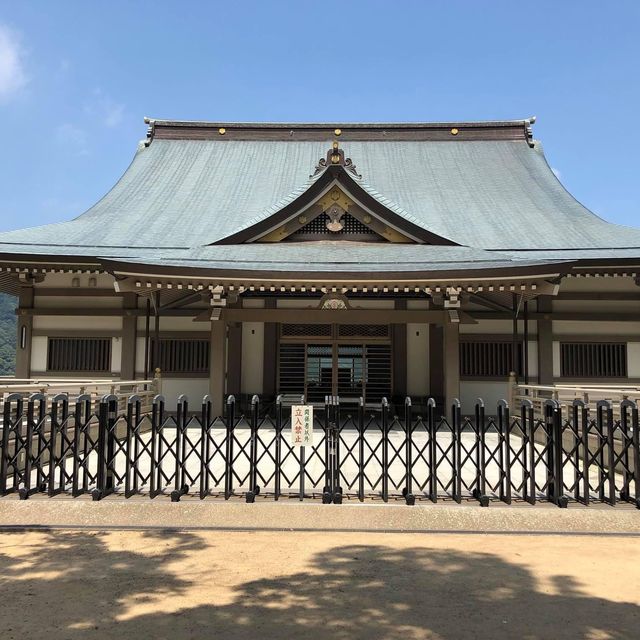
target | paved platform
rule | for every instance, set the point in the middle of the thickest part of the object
(141, 513)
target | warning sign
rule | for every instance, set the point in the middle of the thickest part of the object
(302, 425)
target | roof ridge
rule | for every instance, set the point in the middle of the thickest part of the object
(337, 124)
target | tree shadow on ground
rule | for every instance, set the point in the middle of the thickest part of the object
(75, 585)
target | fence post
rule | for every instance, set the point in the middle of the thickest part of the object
(627, 443)
(526, 416)
(456, 434)
(7, 426)
(361, 449)
(254, 489)
(205, 446)
(504, 418)
(410, 499)
(157, 420)
(481, 456)
(228, 479)
(181, 488)
(278, 461)
(553, 414)
(636, 453)
(385, 449)
(433, 465)
(605, 409)
(81, 419)
(101, 474)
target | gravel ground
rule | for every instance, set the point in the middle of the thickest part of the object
(222, 584)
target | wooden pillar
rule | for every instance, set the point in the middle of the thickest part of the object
(451, 364)
(25, 329)
(270, 360)
(436, 362)
(218, 365)
(129, 337)
(399, 355)
(545, 342)
(234, 359)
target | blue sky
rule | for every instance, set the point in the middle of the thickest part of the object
(76, 79)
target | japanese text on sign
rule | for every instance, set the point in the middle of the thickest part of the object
(301, 425)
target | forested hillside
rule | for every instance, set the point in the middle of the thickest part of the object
(7, 335)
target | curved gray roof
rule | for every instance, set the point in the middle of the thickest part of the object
(492, 194)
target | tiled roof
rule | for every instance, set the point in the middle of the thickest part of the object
(497, 195)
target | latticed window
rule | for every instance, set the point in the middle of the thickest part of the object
(351, 226)
(302, 330)
(593, 359)
(488, 359)
(183, 355)
(363, 330)
(79, 354)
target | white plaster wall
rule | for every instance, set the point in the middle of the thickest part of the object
(590, 306)
(103, 280)
(488, 326)
(297, 304)
(194, 388)
(116, 355)
(567, 327)
(252, 357)
(173, 323)
(633, 359)
(39, 353)
(417, 359)
(556, 359)
(598, 284)
(490, 392)
(533, 359)
(253, 303)
(140, 357)
(84, 302)
(417, 304)
(82, 323)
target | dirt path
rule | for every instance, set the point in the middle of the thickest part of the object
(158, 585)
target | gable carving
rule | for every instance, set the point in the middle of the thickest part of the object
(336, 206)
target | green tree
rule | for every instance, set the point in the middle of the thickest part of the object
(7, 334)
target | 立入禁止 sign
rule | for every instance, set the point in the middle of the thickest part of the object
(301, 425)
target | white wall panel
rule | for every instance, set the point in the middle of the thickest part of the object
(116, 355)
(39, 353)
(252, 357)
(633, 359)
(566, 327)
(490, 392)
(194, 388)
(82, 323)
(556, 359)
(487, 326)
(417, 359)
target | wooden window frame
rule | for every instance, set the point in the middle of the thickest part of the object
(584, 367)
(67, 350)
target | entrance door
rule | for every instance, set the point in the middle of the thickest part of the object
(350, 367)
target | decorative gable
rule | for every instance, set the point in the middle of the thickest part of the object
(337, 205)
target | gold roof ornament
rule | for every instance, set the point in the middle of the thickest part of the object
(222, 131)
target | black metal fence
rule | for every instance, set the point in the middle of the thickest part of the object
(566, 455)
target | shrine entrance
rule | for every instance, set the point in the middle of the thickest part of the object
(349, 361)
